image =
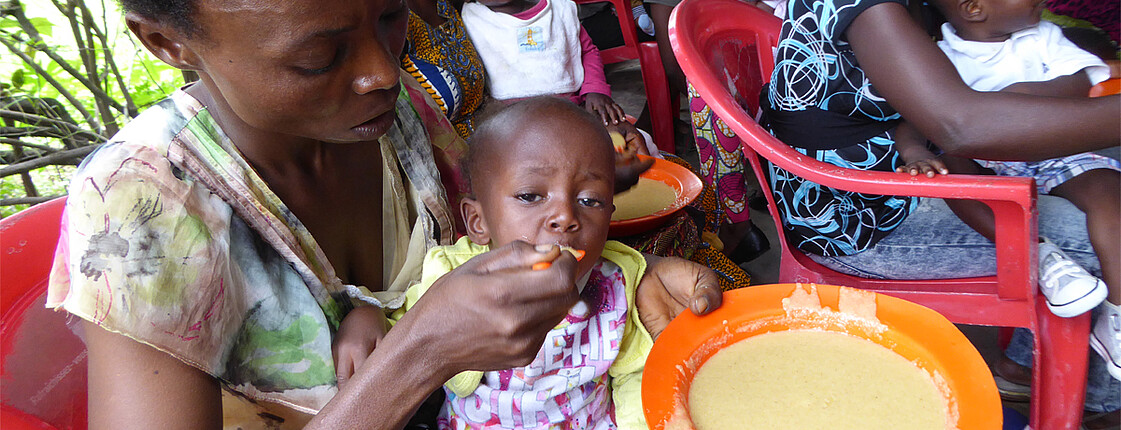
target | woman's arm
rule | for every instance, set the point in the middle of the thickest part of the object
(909, 71)
(480, 316)
(386, 391)
(1074, 85)
(133, 385)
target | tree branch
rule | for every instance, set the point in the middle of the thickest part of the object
(38, 44)
(17, 142)
(26, 200)
(71, 157)
(16, 156)
(70, 140)
(61, 125)
(130, 105)
(90, 119)
(96, 77)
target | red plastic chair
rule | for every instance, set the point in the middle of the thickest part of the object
(662, 107)
(725, 49)
(42, 362)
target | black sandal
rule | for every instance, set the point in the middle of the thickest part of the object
(751, 245)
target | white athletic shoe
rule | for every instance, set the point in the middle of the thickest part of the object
(1070, 289)
(1106, 338)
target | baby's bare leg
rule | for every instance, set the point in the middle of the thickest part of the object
(1098, 194)
(975, 214)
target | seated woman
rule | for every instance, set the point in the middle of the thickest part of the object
(212, 248)
(840, 103)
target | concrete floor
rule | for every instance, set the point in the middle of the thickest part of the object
(627, 90)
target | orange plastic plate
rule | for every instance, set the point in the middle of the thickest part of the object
(685, 184)
(915, 332)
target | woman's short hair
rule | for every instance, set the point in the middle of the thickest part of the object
(180, 13)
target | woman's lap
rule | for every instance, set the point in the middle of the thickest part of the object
(932, 243)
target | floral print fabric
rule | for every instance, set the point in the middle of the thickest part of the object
(444, 61)
(721, 161)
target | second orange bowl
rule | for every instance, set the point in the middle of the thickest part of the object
(686, 186)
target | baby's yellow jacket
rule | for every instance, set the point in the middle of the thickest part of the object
(625, 371)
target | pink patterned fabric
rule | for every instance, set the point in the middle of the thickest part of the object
(721, 161)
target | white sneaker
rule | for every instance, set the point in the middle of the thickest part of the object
(1070, 289)
(1106, 338)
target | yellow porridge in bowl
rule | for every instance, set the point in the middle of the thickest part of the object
(813, 379)
(645, 198)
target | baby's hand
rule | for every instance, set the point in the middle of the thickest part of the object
(605, 108)
(927, 166)
(358, 335)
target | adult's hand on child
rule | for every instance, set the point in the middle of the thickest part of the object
(358, 335)
(494, 311)
(669, 286)
(605, 108)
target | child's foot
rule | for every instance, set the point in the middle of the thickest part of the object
(1070, 289)
(1106, 338)
(643, 20)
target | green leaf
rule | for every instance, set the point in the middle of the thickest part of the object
(18, 78)
(43, 25)
(9, 23)
(53, 69)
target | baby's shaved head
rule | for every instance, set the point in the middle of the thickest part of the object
(531, 117)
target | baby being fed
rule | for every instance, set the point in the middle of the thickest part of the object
(542, 171)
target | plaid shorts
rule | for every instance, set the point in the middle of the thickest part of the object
(1051, 173)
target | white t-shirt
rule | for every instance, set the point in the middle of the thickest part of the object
(531, 57)
(1039, 53)
(779, 7)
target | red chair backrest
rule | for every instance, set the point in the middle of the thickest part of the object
(725, 47)
(42, 362)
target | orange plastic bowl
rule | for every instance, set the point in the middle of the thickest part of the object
(915, 332)
(686, 185)
(1107, 87)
